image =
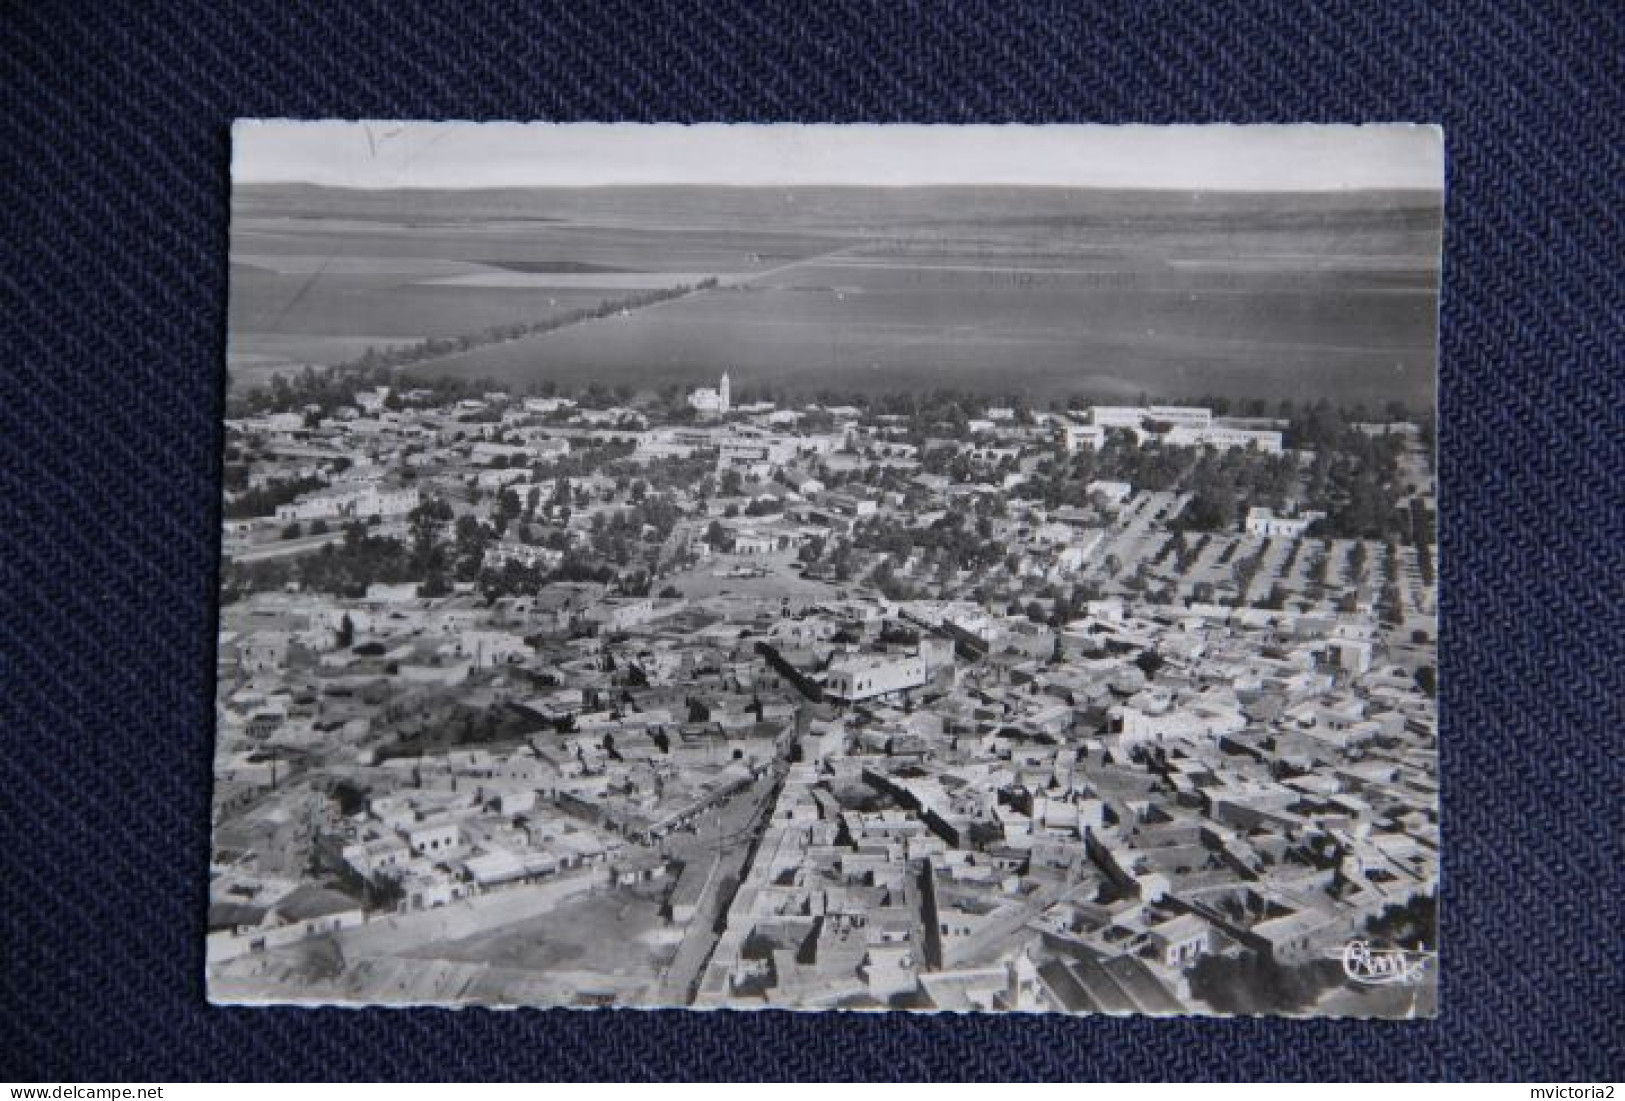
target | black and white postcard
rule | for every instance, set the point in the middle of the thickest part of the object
(830, 568)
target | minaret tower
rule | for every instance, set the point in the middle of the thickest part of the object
(722, 392)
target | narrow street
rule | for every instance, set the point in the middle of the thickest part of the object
(727, 836)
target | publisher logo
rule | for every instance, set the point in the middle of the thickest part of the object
(1370, 966)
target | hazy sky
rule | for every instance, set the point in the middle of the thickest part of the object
(458, 154)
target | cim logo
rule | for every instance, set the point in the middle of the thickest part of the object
(1383, 966)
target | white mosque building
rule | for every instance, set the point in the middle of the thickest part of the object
(714, 402)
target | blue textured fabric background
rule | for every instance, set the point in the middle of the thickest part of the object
(115, 142)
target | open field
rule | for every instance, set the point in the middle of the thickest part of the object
(713, 577)
(572, 937)
(843, 331)
(1042, 291)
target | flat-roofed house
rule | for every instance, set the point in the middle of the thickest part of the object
(863, 678)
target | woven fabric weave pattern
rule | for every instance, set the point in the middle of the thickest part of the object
(115, 200)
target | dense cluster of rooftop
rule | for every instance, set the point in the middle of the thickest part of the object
(682, 699)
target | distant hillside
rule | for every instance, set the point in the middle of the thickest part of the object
(845, 208)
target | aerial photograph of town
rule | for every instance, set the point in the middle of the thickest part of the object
(820, 568)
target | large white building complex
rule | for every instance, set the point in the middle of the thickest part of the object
(1183, 426)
